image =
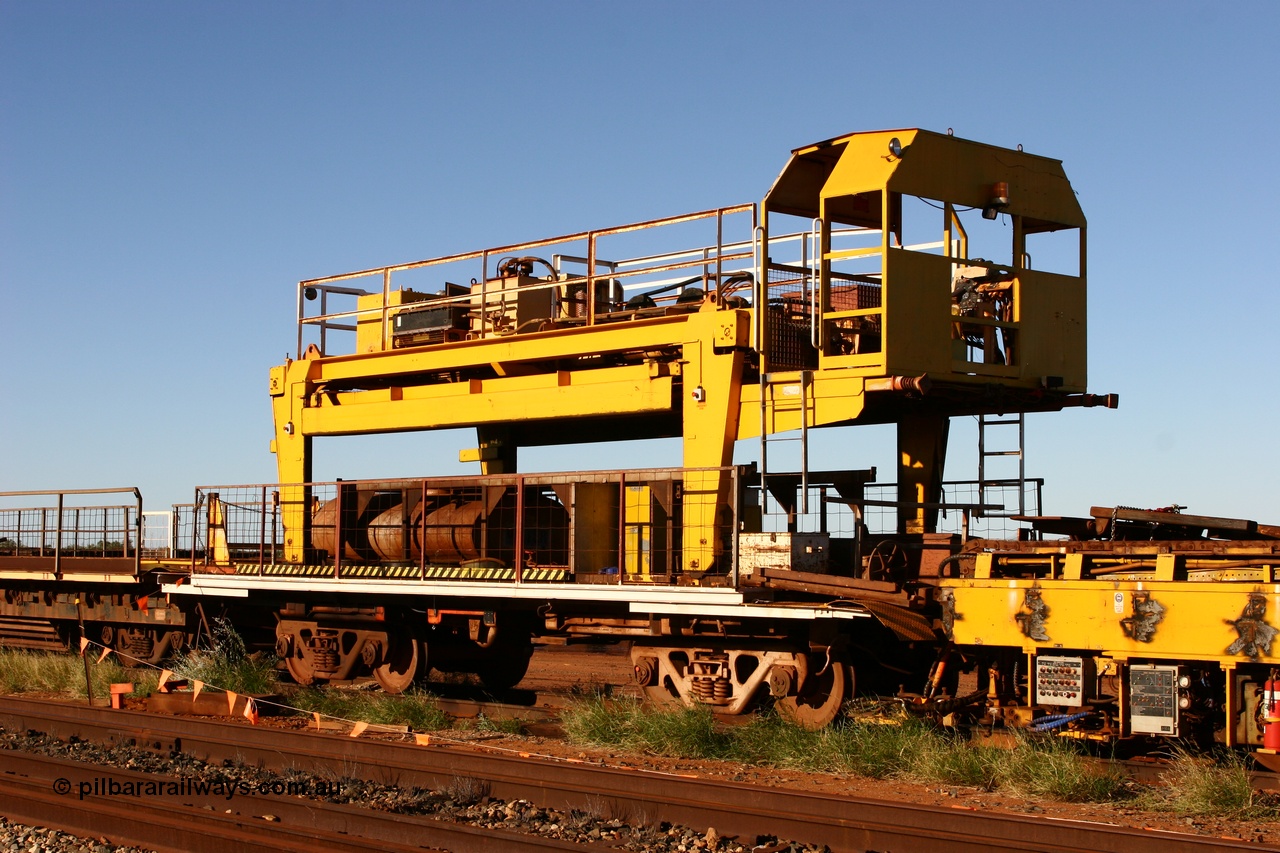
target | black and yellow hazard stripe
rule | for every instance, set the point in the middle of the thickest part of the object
(439, 573)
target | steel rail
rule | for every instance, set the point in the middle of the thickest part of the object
(842, 823)
(27, 783)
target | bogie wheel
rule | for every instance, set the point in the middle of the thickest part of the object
(505, 665)
(824, 692)
(657, 688)
(400, 664)
(662, 697)
(300, 669)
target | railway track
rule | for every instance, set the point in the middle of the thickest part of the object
(745, 811)
(76, 797)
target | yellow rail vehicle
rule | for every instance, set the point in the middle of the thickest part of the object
(894, 277)
(853, 293)
(1141, 623)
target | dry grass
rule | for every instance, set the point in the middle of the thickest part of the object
(23, 671)
(1211, 785)
(906, 748)
(416, 710)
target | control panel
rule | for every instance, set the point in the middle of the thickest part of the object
(1064, 680)
(1153, 700)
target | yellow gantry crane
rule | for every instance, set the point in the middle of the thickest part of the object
(849, 295)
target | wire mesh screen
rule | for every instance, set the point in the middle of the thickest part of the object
(790, 315)
(157, 535)
(854, 335)
(999, 496)
(851, 295)
(590, 527)
(85, 531)
(829, 513)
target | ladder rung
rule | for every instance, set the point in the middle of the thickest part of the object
(1002, 453)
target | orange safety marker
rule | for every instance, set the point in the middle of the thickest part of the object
(358, 729)
(231, 701)
(118, 692)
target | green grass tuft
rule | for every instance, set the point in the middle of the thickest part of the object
(689, 733)
(23, 671)
(1053, 768)
(1216, 785)
(225, 663)
(906, 748)
(416, 710)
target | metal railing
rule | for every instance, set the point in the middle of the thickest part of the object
(714, 265)
(591, 527)
(962, 510)
(69, 530)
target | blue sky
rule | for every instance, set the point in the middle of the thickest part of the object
(169, 171)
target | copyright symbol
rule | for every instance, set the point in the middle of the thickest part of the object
(62, 786)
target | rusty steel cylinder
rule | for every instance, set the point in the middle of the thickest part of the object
(354, 523)
(452, 532)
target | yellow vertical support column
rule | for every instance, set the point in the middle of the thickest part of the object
(293, 456)
(712, 397)
(922, 450)
(217, 526)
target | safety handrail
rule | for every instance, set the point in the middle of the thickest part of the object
(60, 512)
(709, 258)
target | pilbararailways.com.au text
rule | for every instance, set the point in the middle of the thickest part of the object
(105, 786)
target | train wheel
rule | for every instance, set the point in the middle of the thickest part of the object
(662, 697)
(400, 664)
(506, 665)
(824, 692)
(657, 689)
(300, 669)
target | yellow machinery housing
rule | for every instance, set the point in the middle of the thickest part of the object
(1143, 622)
(848, 295)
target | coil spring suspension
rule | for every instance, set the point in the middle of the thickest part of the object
(140, 644)
(708, 674)
(324, 651)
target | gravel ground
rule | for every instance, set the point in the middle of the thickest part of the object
(465, 800)
(16, 838)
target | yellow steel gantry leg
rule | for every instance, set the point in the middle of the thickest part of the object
(922, 450)
(293, 456)
(712, 403)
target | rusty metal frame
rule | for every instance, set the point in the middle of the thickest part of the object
(64, 493)
(265, 499)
